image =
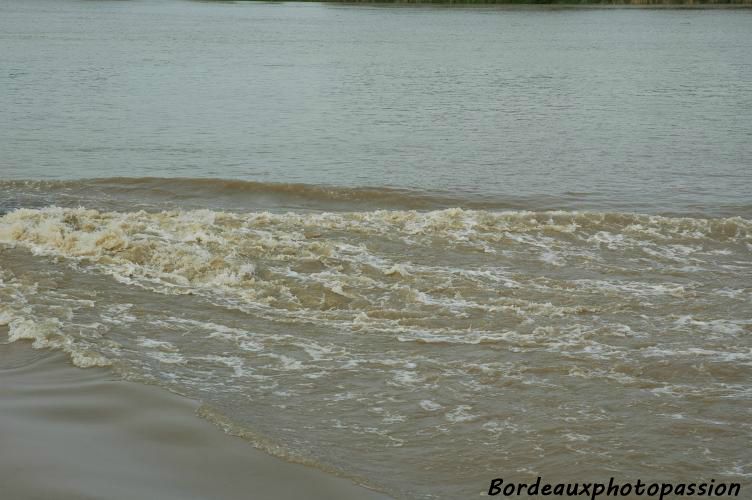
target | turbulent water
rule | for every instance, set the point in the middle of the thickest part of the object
(421, 248)
(422, 352)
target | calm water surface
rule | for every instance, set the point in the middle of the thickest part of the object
(418, 247)
(641, 110)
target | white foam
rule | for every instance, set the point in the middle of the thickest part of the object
(429, 405)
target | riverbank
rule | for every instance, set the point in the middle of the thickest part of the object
(69, 433)
(671, 4)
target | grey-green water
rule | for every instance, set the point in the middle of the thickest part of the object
(639, 110)
(420, 247)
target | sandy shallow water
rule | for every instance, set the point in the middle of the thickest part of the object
(61, 424)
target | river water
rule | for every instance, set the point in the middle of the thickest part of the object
(421, 247)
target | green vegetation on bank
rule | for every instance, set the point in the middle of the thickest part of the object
(636, 3)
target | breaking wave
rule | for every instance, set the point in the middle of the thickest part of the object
(156, 194)
(387, 329)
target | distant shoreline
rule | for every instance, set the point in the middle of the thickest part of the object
(637, 4)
